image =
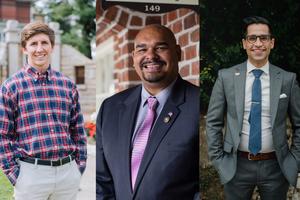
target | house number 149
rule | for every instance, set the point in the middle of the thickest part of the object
(152, 8)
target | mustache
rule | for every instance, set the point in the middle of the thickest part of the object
(153, 62)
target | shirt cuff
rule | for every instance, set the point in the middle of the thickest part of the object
(13, 175)
(81, 166)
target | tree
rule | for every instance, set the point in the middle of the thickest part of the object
(76, 19)
(222, 31)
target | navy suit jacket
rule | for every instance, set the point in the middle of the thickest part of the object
(170, 166)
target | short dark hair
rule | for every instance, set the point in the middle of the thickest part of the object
(256, 20)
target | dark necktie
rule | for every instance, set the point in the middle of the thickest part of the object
(141, 139)
(255, 114)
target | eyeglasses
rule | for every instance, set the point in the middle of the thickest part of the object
(263, 38)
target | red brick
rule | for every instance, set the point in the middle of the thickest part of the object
(130, 75)
(165, 19)
(99, 10)
(120, 64)
(133, 76)
(185, 70)
(183, 11)
(117, 28)
(195, 35)
(116, 56)
(9, 12)
(23, 12)
(123, 19)
(100, 28)
(111, 13)
(153, 20)
(130, 47)
(131, 34)
(172, 15)
(115, 75)
(124, 50)
(105, 20)
(195, 68)
(128, 62)
(136, 21)
(189, 21)
(184, 40)
(177, 26)
(190, 52)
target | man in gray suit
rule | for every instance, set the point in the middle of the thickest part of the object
(255, 97)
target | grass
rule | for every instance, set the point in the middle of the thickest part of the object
(6, 189)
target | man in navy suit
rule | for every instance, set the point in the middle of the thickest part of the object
(169, 163)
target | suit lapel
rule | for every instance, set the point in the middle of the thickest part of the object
(127, 118)
(161, 127)
(275, 88)
(239, 90)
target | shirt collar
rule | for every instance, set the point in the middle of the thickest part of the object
(161, 97)
(35, 73)
(264, 68)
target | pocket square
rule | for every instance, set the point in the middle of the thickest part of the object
(282, 96)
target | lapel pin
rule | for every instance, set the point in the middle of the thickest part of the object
(168, 118)
(237, 73)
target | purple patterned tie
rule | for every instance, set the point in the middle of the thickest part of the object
(141, 139)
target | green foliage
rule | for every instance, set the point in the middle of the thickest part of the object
(210, 186)
(221, 33)
(6, 189)
(76, 19)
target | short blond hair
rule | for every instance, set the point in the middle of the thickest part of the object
(35, 28)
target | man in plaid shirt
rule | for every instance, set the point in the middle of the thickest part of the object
(42, 138)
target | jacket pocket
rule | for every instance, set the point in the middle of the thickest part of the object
(227, 147)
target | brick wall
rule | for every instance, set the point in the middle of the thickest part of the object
(18, 10)
(123, 24)
(185, 25)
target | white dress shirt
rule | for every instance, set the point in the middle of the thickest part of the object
(267, 141)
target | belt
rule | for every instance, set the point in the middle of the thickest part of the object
(55, 163)
(259, 156)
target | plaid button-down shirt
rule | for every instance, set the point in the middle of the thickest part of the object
(39, 118)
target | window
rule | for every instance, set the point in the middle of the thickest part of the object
(79, 75)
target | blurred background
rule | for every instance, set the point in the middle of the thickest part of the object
(74, 24)
(221, 30)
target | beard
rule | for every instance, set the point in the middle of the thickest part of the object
(154, 76)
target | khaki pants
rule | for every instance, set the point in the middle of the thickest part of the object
(39, 182)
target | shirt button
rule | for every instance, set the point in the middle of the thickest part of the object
(43, 84)
(52, 130)
(49, 114)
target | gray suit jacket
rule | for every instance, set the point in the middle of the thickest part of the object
(227, 102)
